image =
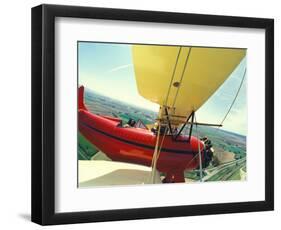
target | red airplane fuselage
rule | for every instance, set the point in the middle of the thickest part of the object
(136, 145)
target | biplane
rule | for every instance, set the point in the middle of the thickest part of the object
(180, 80)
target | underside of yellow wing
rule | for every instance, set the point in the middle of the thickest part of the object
(181, 79)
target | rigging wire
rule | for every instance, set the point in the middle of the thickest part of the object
(199, 150)
(157, 150)
(237, 93)
(184, 68)
(233, 102)
(156, 156)
(173, 75)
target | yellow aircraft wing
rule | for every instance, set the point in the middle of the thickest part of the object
(182, 78)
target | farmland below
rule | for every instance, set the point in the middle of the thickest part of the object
(229, 161)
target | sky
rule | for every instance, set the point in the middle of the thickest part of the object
(108, 69)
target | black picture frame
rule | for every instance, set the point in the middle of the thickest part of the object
(43, 113)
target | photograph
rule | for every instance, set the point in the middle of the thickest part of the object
(157, 114)
(147, 113)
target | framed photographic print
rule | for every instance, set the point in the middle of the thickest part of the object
(142, 114)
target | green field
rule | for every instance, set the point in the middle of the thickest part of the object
(85, 149)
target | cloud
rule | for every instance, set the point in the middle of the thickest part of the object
(119, 68)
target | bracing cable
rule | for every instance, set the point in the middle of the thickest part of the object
(156, 156)
(183, 72)
(173, 75)
(237, 93)
(199, 150)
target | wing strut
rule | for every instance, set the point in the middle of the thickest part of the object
(183, 126)
(191, 116)
(199, 152)
(168, 120)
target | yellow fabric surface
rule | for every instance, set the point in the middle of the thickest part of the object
(182, 78)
